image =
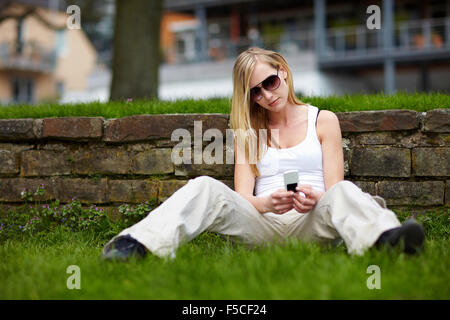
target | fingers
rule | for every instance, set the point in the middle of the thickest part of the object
(279, 194)
(282, 197)
(282, 201)
(304, 201)
(301, 207)
(306, 189)
(280, 209)
(304, 204)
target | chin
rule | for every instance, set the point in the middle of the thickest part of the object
(279, 106)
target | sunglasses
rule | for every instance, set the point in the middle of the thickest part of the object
(269, 84)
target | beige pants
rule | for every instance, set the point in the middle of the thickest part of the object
(206, 204)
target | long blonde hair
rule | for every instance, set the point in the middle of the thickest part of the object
(247, 118)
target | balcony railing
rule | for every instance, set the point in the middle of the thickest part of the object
(221, 49)
(31, 57)
(410, 37)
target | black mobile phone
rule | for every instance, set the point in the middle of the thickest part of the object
(290, 180)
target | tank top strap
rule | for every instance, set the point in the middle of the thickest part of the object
(312, 117)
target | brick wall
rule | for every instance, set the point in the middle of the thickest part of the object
(401, 155)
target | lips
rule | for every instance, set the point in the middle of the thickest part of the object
(273, 102)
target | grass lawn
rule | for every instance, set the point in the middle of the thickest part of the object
(212, 268)
(336, 103)
(34, 266)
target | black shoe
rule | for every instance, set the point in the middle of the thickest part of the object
(122, 248)
(410, 237)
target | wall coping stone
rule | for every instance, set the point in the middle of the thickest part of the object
(160, 126)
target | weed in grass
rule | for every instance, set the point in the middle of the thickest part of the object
(34, 219)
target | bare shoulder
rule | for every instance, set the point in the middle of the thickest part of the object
(327, 123)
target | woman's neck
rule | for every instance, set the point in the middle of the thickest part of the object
(286, 117)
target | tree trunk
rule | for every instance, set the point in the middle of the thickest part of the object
(136, 52)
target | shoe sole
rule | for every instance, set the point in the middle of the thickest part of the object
(413, 237)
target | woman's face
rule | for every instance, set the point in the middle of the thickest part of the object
(273, 100)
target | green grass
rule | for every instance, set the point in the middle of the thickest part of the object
(336, 103)
(212, 268)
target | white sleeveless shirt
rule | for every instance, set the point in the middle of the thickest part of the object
(305, 157)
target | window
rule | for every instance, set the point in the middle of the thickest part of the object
(23, 90)
(61, 47)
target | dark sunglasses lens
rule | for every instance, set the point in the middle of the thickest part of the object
(271, 83)
(255, 92)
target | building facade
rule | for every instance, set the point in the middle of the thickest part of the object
(40, 58)
(328, 44)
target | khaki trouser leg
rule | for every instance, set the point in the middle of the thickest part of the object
(345, 211)
(203, 204)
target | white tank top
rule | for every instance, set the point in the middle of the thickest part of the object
(305, 157)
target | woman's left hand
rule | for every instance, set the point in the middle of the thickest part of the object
(304, 204)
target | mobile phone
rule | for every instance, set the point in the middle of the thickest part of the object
(290, 180)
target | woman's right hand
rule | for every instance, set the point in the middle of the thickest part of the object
(279, 202)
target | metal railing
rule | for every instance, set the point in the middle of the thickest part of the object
(30, 57)
(409, 37)
(220, 49)
(426, 35)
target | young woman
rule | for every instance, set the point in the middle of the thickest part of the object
(324, 208)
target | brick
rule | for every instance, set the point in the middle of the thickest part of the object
(381, 161)
(72, 128)
(156, 161)
(148, 127)
(423, 139)
(16, 129)
(346, 148)
(11, 188)
(431, 161)
(410, 193)
(85, 190)
(17, 148)
(366, 186)
(44, 163)
(206, 167)
(8, 162)
(58, 147)
(347, 161)
(407, 139)
(447, 192)
(102, 161)
(139, 147)
(376, 138)
(133, 191)
(214, 170)
(169, 187)
(380, 120)
(437, 120)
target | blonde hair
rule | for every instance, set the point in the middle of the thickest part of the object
(247, 118)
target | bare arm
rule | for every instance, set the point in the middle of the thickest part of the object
(330, 137)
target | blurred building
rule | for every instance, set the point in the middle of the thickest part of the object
(326, 42)
(40, 58)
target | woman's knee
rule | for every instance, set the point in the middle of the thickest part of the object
(205, 183)
(343, 187)
(343, 184)
(203, 180)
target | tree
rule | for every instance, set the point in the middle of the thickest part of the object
(136, 54)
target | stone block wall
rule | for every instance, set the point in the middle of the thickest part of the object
(401, 155)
